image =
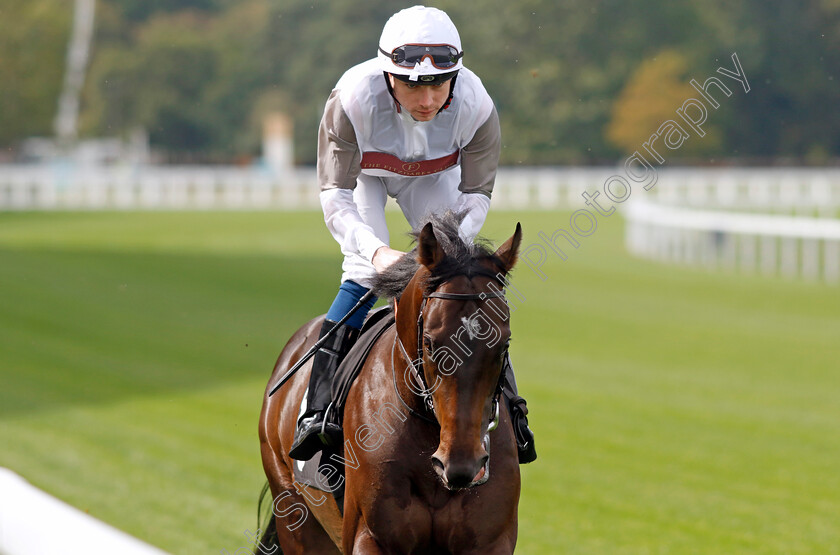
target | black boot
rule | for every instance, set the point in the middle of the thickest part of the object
(519, 417)
(314, 430)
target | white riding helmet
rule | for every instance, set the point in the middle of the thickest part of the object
(420, 45)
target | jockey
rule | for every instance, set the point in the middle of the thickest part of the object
(397, 125)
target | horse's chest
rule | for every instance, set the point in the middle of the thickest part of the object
(437, 523)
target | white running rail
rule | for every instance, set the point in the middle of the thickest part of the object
(34, 523)
(771, 244)
(741, 235)
(64, 187)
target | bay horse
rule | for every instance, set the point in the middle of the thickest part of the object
(423, 473)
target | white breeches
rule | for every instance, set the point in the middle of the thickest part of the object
(418, 197)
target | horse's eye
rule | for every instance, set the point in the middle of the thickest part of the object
(427, 342)
(506, 346)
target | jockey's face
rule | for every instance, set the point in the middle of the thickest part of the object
(421, 101)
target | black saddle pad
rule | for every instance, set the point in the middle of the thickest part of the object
(377, 322)
(325, 471)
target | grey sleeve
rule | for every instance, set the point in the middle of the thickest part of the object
(339, 159)
(480, 158)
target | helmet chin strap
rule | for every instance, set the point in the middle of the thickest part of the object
(446, 104)
(451, 94)
(387, 77)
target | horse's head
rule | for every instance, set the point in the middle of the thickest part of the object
(453, 317)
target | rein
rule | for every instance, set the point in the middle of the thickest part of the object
(396, 389)
(417, 364)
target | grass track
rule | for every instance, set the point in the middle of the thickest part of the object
(676, 411)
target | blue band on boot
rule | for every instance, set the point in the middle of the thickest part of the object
(348, 295)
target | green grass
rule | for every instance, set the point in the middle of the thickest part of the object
(676, 411)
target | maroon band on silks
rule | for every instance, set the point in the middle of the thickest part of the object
(389, 162)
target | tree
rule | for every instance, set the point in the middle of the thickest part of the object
(650, 98)
(572, 81)
(158, 83)
(33, 42)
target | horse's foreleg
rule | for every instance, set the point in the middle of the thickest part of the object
(298, 531)
(504, 546)
(365, 544)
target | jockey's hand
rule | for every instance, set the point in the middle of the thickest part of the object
(384, 257)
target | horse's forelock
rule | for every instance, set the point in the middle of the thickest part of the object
(393, 281)
(461, 258)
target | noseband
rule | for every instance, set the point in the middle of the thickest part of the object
(417, 363)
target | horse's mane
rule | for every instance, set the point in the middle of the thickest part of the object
(461, 258)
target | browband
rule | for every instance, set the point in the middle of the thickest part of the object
(466, 296)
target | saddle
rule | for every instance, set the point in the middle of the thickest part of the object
(325, 471)
(375, 325)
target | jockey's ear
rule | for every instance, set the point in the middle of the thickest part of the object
(509, 251)
(429, 251)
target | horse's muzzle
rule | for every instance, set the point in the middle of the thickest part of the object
(463, 472)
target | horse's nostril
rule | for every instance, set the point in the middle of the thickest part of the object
(438, 464)
(458, 478)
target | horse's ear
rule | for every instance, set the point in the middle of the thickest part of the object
(509, 251)
(429, 251)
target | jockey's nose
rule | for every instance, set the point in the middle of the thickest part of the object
(427, 97)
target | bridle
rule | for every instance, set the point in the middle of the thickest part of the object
(416, 364)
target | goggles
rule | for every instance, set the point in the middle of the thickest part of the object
(442, 56)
